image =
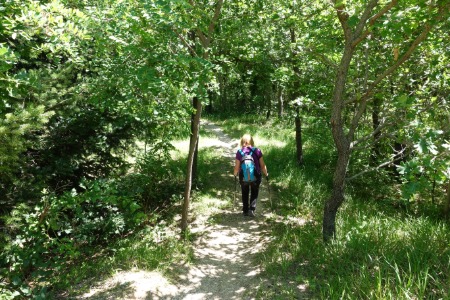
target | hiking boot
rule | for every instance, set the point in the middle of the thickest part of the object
(251, 213)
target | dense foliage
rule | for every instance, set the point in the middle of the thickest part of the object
(92, 93)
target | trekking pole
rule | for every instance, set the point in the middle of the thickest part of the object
(235, 190)
(268, 189)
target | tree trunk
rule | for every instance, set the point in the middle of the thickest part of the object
(193, 144)
(268, 95)
(342, 139)
(280, 101)
(342, 145)
(209, 107)
(337, 196)
(294, 95)
(205, 40)
(338, 128)
(447, 206)
(375, 124)
(298, 137)
(195, 159)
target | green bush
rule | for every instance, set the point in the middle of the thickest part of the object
(61, 229)
(155, 182)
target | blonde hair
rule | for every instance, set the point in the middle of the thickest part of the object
(247, 139)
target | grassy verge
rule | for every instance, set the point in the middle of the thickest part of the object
(381, 252)
(152, 248)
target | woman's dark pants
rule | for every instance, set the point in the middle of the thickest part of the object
(250, 194)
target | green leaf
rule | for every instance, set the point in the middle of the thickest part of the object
(353, 21)
(3, 51)
(339, 4)
(403, 101)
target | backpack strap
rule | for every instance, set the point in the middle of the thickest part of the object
(252, 151)
(242, 153)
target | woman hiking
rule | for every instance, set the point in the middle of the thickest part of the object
(249, 165)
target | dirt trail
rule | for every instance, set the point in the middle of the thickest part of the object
(224, 266)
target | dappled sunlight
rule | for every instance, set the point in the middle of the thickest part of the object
(227, 246)
(133, 285)
(227, 243)
(226, 145)
(262, 142)
(289, 220)
(181, 146)
(211, 142)
(224, 257)
(209, 204)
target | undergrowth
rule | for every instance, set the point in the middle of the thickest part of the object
(381, 251)
(112, 224)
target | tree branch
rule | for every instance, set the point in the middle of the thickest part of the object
(205, 39)
(183, 40)
(372, 21)
(371, 135)
(324, 58)
(364, 17)
(420, 38)
(216, 16)
(343, 18)
(393, 159)
(398, 63)
(385, 135)
(363, 102)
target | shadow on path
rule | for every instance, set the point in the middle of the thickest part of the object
(225, 252)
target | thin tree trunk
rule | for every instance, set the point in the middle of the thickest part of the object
(447, 207)
(209, 107)
(337, 196)
(268, 98)
(298, 137)
(375, 124)
(343, 140)
(205, 40)
(433, 188)
(188, 185)
(342, 145)
(280, 101)
(295, 93)
(195, 160)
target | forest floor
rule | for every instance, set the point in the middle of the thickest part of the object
(226, 247)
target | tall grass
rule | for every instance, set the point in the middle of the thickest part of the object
(380, 252)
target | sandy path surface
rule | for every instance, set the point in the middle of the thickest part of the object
(225, 264)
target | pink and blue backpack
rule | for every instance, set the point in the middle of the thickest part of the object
(248, 167)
